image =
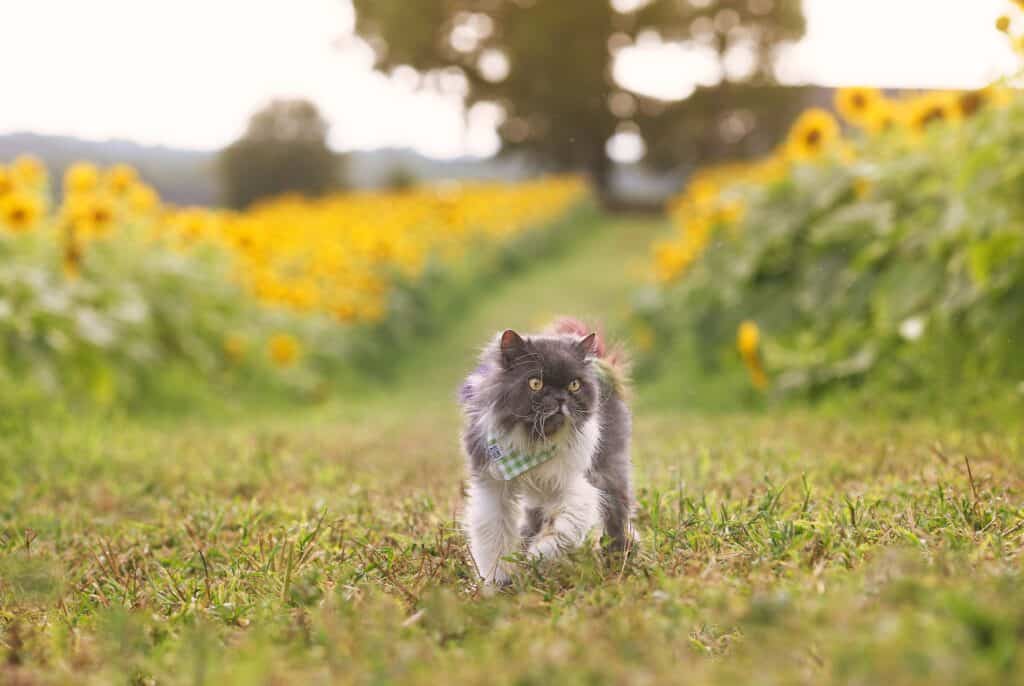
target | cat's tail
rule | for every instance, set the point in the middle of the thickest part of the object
(613, 361)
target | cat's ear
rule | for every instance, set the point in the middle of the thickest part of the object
(512, 347)
(586, 347)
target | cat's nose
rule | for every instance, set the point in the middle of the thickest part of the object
(563, 408)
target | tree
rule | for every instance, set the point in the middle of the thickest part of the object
(724, 122)
(283, 150)
(399, 178)
(549, 63)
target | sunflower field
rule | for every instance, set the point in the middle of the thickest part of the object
(884, 252)
(110, 293)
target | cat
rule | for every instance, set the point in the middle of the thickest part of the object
(546, 435)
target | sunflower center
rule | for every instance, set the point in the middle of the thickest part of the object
(971, 103)
(859, 101)
(813, 138)
(932, 114)
(18, 215)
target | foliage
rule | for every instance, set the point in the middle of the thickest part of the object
(893, 258)
(721, 123)
(111, 294)
(284, 150)
(548, 65)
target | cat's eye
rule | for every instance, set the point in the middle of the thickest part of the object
(574, 386)
(536, 384)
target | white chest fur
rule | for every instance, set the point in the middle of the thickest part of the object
(569, 504)
(573, 455)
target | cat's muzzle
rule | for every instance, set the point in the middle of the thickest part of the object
(555, 420)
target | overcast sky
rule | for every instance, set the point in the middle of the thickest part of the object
(188, 73)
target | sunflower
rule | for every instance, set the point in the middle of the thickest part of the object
(6, 181)
(748, 342)
(857, 105)
(748, 339)
(81, 177)
(882, 117)
(731, 212)
(142, 198)
(120, 178)
(92, 215)
(345, 311)
(28, 171)
(970, 102)
(20, 211)
(284, 349)
(930, 108)
(669, 261)
(72, 253)
(101, 216)
(812, 134)
(371, 309)
(192, 224)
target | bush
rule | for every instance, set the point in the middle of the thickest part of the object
(895, 260)
(113, 298)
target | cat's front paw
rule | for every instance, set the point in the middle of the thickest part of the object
(544, 546)
(496, 580)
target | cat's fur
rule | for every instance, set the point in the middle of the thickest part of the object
(552, 507)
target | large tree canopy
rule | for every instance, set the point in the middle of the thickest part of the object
(284, 150)
(549, 63)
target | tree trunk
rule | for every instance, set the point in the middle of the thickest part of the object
(599, 168)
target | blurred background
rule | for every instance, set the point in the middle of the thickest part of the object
(309, 177)
(635, 93)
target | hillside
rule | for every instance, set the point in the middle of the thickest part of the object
(188, 177)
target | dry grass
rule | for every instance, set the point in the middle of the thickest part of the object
(329, 551)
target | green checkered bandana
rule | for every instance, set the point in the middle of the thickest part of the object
(510, 463)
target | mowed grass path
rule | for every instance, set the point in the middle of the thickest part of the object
(595, 281)
(322, 546)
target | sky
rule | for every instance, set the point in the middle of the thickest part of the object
(189, 73)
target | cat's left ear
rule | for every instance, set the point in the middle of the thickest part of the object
(512, 348)
(586, 347)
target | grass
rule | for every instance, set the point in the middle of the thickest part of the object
(322, 546)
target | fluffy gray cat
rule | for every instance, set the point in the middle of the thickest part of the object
(546, 434)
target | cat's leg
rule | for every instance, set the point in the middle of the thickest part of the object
(610, 472)
(532, 523)
(567, 519)
(492, 525)
(615, 515)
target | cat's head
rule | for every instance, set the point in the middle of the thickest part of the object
(546, 384)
